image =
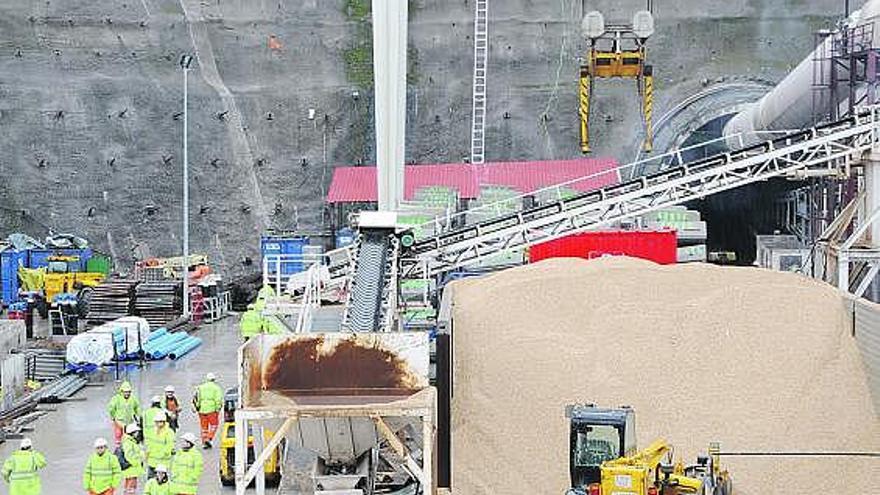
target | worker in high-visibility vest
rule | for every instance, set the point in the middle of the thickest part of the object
(150, 415)
(102, 473)
(186, 467)
(124, 409)
(208, 401)
(160, 446)
(172, 408)
(158, 485)
(134, 457)
(251, 322)
(263, 295)
(21, 470)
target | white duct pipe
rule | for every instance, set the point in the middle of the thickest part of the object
(389, 68)
(790, 104)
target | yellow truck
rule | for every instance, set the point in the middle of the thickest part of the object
(227, 445)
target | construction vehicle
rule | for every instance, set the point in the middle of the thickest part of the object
(227, 445)
(63, 276)
(604, 459)
(617, 51)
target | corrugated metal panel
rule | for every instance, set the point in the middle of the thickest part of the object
(527, 177)
(358, 184)
(867, 332)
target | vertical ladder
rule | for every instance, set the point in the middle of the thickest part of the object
(481, 56)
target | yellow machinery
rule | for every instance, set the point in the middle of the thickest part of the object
(617, 51)
(604, 461)
(61, 278)
(227, 445)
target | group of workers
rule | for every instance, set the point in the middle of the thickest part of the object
(144, 446)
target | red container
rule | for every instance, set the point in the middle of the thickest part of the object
(658, 246)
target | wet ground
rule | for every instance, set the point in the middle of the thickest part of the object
(65, 435)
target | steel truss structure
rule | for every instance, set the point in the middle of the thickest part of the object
(826, 150)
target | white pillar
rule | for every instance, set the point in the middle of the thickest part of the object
(872, 196)
(389, 69)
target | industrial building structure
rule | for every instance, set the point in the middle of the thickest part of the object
(346, 385)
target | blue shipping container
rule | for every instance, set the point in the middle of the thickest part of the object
(38, 258)
(10, 260)
(290, 250)
(344, 237)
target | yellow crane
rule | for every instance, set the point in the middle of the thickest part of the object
(604, 459)
(617, 51)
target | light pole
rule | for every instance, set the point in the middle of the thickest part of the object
(185, 61)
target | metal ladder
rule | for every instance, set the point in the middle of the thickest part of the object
(481, 57)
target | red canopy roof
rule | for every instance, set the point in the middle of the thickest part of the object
(358, 184)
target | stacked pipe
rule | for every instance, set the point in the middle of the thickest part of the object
(111, 300)
(61, 389)
(162, 344)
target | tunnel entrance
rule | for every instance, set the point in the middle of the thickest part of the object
(733, 218)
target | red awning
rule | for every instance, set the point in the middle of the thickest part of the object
(358, 184)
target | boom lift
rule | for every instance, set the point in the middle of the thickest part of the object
(617, 50)
(603, 459)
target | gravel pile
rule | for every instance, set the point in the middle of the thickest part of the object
(757, 360)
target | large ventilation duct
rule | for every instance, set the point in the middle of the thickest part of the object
(791, 105)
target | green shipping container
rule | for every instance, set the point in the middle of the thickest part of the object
(98, 263)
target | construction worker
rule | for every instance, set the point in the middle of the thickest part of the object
(20, 470)
(102, 473)
(263, 295)
(160, 445)
(208, 401)
(172, 408)
(134, 457)
(251, 322)
(186, 467)
(124, 409)
(150, 415)
(158, 485)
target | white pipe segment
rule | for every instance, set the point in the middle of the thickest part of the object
(790, 104)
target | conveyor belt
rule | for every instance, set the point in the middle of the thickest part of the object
(827, 149)
(363, 310)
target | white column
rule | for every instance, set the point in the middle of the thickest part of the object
(389, 69)
(872, 196)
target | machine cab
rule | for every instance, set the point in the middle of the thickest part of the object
(597, 435)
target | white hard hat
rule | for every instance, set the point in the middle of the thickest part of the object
(131, 428)
(189, 437)
(160, 416)
(169, 388)
(155, 398)
(161, 468)
(26, 443)
(210, 377)
(100, 442)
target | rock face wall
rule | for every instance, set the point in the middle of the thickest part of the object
(91, 102)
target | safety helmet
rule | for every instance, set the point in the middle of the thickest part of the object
(100, 442)
(160, 416)
(189, 437)
(169, 388)
(26, 443)
(131, 428)
(210, 377)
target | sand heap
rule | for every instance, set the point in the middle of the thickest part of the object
(754, 359)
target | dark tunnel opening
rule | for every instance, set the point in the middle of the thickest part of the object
(733, 218)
